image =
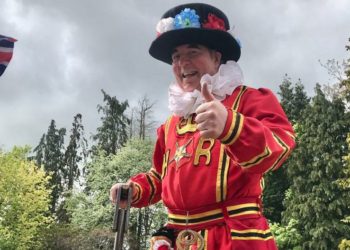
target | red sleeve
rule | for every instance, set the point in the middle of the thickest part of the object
(149, 185)
(258, 134)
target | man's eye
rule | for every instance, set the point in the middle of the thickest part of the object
(193, 53)
(175, 57)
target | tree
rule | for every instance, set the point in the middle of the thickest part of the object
(287, 237)
(144, 119)
(92, 210)
(24, 201)
(294, 101)
(141, 119)
(315, 200)
(50, 155)
(112, 134)
(346, 82)
(76, 152)
(345, 183)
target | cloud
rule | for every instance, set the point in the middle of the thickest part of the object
(67, 51)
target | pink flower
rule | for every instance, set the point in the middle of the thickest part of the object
(214, 22)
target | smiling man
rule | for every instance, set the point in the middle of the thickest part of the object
(190, 62)
(212, 152)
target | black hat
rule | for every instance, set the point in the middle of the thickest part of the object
(194, 23)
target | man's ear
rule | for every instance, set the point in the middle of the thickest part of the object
(217, 57)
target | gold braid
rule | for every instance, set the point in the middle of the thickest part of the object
(188, 238)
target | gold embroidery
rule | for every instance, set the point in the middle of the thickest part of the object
(213, 215)
(166, 129)
(251, 234)
(165, 163)
(200, 151)
(238, 98)
(286, 151)
(221, 178)
(235, 129)
(181, 152)
(204, 234)
(257, 159)
(186, 125)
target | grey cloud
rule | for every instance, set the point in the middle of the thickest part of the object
(67, 51)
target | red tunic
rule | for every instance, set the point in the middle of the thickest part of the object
(215, 186)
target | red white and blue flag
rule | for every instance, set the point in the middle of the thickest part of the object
(6, 50)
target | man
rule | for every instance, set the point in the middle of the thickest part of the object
(211, 154)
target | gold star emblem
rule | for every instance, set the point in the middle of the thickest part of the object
(181, 152)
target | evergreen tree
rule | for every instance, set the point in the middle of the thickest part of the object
(314, 198)
(76, 152)
(112, 134)
(345, 183)
(294, 99)
(346, 82)
(50, 155)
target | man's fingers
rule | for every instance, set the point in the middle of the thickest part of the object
(206, 134)
(200, 117)
(208, 97)
(118, 188)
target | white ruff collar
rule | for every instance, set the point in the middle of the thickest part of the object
(228, 77)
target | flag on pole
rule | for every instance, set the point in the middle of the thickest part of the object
(6, 50)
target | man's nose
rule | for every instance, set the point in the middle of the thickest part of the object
(184, 59)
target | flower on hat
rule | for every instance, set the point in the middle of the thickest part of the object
(187, 19)
(214, 22)
(165, 25)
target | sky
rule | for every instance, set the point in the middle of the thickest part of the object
(68, 50)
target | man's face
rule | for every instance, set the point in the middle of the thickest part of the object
(191, 62)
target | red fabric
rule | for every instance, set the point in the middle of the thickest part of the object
(198, 174)
(163, 248)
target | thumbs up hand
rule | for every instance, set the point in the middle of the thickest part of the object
(211, 115)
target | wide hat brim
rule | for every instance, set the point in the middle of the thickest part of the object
(163, 46)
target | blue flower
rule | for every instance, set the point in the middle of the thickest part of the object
(187, 19)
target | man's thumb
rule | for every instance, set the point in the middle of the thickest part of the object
(208, 97)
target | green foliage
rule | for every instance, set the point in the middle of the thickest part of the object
(346, 82)
(345, 184)
(76, 152)
(344, 245)
(287, 237)
(315, 199)
(112, 134)
(74, 157)
(50, 155)
(24, 201)
(294, 99)
(67, 237)
(275, 184)
(93, 210)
